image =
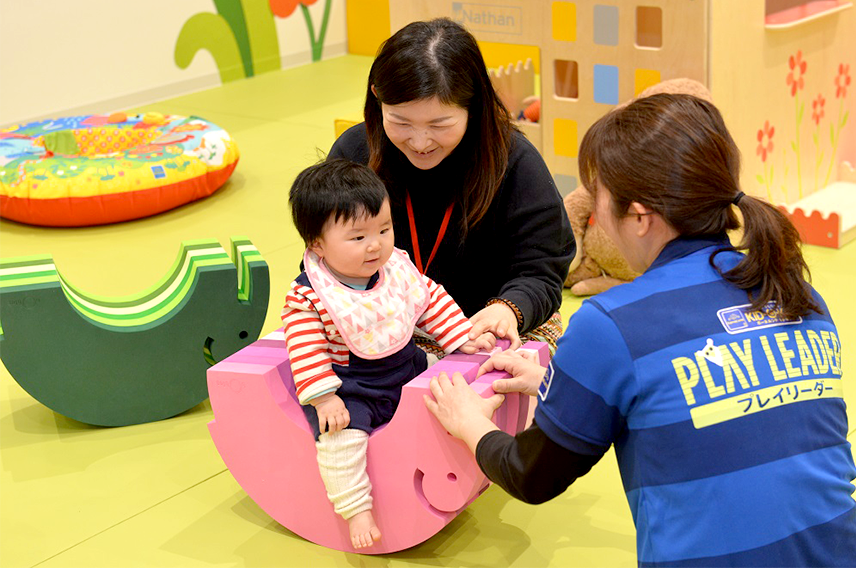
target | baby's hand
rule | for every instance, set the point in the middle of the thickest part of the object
(332, 413)
(486, 341)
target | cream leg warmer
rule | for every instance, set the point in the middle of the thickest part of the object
(342, 462)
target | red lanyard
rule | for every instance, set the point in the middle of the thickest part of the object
(415, 238)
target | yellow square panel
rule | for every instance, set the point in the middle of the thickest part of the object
(340, 125)
(644, 79)
(564, 21)
(565, 137)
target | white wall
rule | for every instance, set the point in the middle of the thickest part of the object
(66, 57)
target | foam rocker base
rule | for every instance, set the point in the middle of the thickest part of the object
(421, 476)
(122, 361)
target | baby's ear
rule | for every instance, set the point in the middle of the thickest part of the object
(315, 246)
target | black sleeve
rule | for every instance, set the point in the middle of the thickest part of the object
(351, 145)
(530, 466)
(537, 234)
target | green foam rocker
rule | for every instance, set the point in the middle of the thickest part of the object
(122, 361)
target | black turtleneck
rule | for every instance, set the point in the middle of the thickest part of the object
(519, 251)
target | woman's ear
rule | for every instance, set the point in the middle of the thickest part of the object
(637, 208)
(374, 92)
(643, 217)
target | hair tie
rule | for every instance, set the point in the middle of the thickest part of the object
(737, 198)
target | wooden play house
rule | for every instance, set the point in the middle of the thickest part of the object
(779, 70)
(593, 56)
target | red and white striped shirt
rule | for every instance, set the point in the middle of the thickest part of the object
(315, 344)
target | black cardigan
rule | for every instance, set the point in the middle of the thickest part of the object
(521, 249)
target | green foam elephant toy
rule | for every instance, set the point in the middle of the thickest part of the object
(117, 362)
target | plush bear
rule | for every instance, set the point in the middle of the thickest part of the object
(598, 265)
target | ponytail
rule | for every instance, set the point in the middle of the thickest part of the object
(674, 154)
(773, 269)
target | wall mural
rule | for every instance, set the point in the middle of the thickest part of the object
(242, 38)
(822, 163)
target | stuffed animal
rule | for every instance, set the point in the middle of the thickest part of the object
(598, 265)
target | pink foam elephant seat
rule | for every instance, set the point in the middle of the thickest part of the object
(421, 476)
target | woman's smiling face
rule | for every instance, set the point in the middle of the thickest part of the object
(426, 131)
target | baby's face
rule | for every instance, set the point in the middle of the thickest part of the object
(359, 247)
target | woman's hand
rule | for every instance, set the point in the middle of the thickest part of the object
(526, 373)
(498, 319)
(332, 413)
(461, 411)
(485, 341)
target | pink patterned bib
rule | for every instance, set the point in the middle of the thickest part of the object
(378, 322)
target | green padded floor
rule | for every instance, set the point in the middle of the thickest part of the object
(158, 494)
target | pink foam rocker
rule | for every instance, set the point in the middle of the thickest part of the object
(421, 476)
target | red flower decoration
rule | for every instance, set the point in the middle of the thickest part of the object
(817, 108)
(285, 8)
(766, 132)
(842, 81)
(795, 77)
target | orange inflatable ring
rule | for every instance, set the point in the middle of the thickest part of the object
(98, 169)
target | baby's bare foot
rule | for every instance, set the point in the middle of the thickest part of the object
(364, 531)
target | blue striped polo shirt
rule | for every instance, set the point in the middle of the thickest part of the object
(729, 424)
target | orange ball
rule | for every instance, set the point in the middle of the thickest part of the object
(533, 111)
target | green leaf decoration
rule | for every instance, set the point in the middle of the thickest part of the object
(814, 137)
(760, 179)
(794, 146)
(211, 32)
(317, 44)
(844, 120)
(261, 29)
(233, 13)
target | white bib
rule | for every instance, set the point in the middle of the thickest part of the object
(378, 322)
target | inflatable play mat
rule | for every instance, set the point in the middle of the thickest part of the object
(98, 169)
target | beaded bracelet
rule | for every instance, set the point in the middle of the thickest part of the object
(517, 313)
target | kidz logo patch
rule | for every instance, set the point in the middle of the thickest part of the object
(158, 172)
(544, 388)
(739, 319)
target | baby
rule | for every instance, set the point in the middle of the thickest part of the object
(349, 320)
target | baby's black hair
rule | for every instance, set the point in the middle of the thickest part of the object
(335, 189)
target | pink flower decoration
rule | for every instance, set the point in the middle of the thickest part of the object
(796, 81)
(284, 8)
(842, 81)
(817, 108)
(766, 132)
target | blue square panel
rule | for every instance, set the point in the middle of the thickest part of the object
(605, 25)
(606, 84)
(565, 184)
